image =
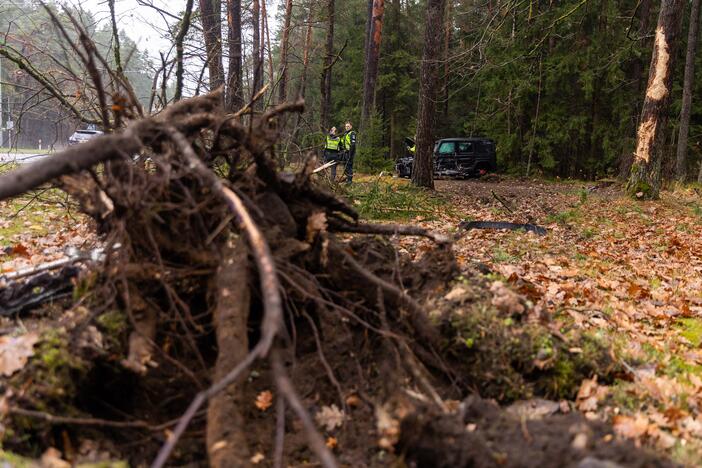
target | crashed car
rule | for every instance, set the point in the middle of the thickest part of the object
(454, 157)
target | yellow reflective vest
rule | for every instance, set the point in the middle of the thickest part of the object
(332, 143)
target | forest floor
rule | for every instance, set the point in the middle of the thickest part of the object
(627, 274)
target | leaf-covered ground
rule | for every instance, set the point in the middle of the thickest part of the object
(630, 272)
(40, 227)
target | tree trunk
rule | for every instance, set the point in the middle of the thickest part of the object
(180, 38)
(283, 74)
(422, 169)
(687, 90)
(235, 95)
(267, 46)
(637, 77)
(256, 50)
(212, 31)
(645, 178)
(327, 70)
(445, 57)
(372, 58)
(305, 65)
(536, 120)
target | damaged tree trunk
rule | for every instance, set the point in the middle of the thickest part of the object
(645, 178)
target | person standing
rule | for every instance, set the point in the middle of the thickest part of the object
(332, 148)
(349, 141)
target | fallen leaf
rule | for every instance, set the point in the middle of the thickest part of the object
(330, 417)
(257, 458)
(506, 300)
(15, 351)
(631, 427)
(264, 400)
(20, 249)
(331, 442)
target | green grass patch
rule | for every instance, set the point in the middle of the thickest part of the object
(691, 329)
(502, 256)
(30, 213)
(389, 199)
(565, 217)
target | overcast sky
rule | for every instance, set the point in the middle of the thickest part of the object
(145, 25)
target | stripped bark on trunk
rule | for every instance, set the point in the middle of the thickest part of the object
(422, 169)
(689, 81)
(645, 178)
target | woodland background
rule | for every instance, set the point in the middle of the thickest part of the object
(563, 81)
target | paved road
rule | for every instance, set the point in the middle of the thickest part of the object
(21, 158)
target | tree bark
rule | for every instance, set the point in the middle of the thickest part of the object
(212, 31)
(267, 46)
(305, 66)
(226, 433)
(536, 120)
(637, 77)
(180, 38)
(645, 178)
(689, 81)
(445, 57)
(372, 59)
(422, 169)
(256, 51)
(326, 88)
(283, 74)
(235, 94)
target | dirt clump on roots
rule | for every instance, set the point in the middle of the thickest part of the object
(243, 315)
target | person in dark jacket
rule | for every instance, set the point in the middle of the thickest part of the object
(349, 141)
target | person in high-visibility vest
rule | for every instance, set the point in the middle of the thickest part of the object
(332, 149)
(349, 140)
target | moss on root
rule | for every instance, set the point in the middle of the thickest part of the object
(509, 359)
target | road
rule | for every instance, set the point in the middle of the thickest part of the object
(21, 158)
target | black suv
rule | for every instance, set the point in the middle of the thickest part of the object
(456, 157)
